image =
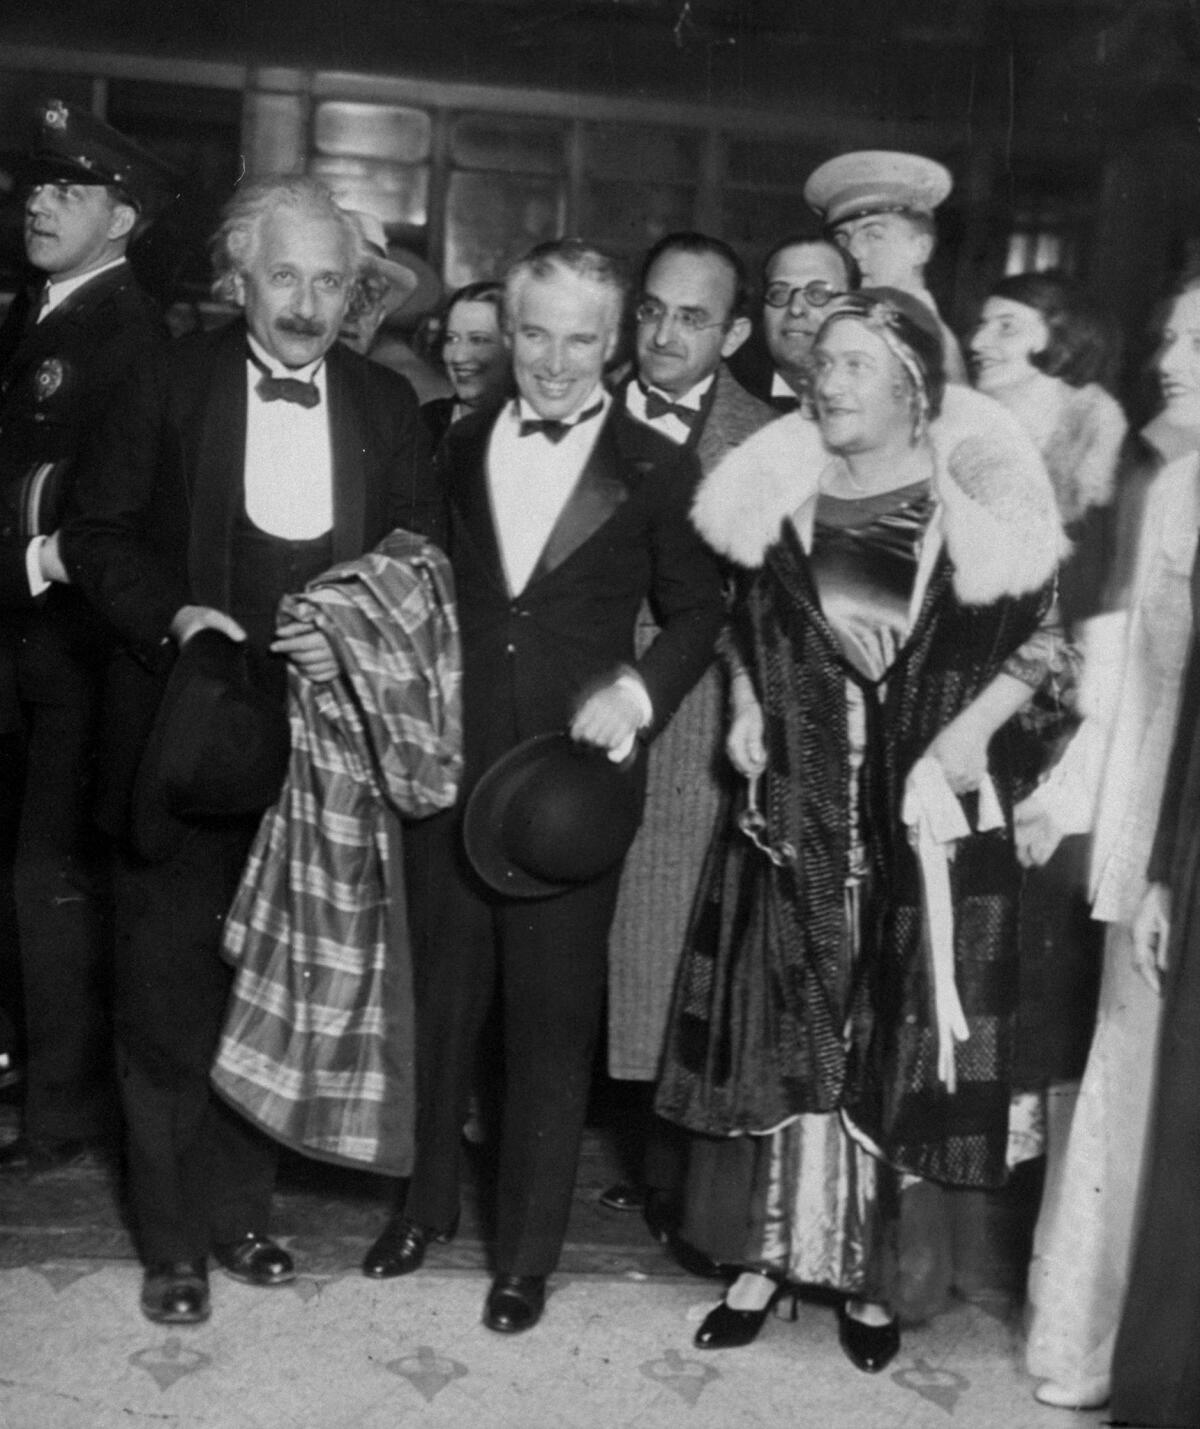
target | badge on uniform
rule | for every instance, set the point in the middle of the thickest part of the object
(48, 378)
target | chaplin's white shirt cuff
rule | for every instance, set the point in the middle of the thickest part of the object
(33, 566)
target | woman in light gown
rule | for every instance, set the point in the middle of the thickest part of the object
(1111, 778)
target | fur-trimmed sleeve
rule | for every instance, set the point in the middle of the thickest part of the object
(1003, 531)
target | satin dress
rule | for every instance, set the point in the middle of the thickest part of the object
(815, 1214)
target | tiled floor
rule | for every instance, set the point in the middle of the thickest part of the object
(342, 1353)
(335, 1351)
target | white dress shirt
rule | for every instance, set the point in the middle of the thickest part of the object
(530, 480)
(668, 424)
(781, 387)
(289, 463)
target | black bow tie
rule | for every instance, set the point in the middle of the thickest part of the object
(554, 429)
(784, 403)
(283, 389)
(658, 406)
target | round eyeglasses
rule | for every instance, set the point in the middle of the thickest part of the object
(650, 313)
(816, 294)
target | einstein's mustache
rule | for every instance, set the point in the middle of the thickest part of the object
(300, 327)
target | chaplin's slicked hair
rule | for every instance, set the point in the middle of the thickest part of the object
(567, 256)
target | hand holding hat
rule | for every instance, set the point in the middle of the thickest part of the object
(549, 815)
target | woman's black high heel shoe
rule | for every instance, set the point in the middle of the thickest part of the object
(868, 1347)
(727, 1329)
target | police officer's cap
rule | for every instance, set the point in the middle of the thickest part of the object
(74, 146)
(876, 181)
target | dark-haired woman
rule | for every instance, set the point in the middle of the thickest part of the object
(895, 566)
(1043, 351)
(474, 353)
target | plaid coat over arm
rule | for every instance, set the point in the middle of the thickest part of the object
(318, 1043)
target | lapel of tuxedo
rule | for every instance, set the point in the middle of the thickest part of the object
(466, 450)
(347, 425)
(217, 475)
(597, 494)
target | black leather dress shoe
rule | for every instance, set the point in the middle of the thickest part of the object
(623, 1197)
(515, 1303)
(255, 1260)
(175, 1292)
(35, 1156)
(401, 1248)
(868, 1347)
(663, 1215)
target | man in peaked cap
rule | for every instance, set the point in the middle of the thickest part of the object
(65, 347)
(879, 205)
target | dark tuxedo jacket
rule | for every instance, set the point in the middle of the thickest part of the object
(150, 527)
(530, 657)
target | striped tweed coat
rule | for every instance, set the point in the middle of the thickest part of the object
(318, 1043)
(686, 772)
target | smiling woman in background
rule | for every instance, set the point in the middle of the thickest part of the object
(475, 356)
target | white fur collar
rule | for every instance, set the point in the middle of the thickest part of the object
(997, 507)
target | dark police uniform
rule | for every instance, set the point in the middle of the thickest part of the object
(57, 378)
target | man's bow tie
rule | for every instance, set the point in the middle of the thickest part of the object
(283, 389)
(554, 429)
(658, 406)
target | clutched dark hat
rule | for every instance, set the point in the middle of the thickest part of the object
(218, 749)
(551, 814)
(76, 147)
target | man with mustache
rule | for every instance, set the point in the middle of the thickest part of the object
(66, 344)
(254, 459)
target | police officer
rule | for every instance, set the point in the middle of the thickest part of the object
(878, 206)
(66, 345)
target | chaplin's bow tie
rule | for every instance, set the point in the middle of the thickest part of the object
(283, 389)
(553, 428)
(658, 406)
(783, 403)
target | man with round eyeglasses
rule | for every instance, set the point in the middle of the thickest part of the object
(801, 276)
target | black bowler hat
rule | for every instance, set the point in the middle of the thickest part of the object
(550, 814)
(219, 746)
(74, 146)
